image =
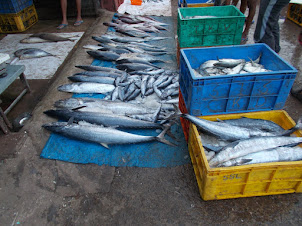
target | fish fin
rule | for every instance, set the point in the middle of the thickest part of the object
(258, 59)
(243, 161)
(156, 114)
(161, 138)
(298, 126)
(105, 145)
(78, 108)
(70, 121)
(169, 133)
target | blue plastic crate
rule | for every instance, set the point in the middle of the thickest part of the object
(14, 6)
(235, 93)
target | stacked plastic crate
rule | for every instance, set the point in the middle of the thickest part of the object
(294, 13)
(255, 95)
(17, 15)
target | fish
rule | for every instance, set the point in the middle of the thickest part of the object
(100, 105)
(86, 87)
(129, 67)
(134, 60)
(101, 135)
(247, 146)
(99, 68)
(223, 130)
(104, 55)
(279, 154)
(93, 47)
(148, 72)
(230, 63)
(46, 37)
(108, 120)
(100, 74)
(265, 125)
(87, 78)
(29, 53)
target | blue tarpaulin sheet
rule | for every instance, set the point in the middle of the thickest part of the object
(153, 154)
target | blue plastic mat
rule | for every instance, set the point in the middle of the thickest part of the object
(153, 154)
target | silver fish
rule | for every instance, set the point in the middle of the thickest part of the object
(101, 135)
(86, 87)
(29, 53)
(229, 62)
(252, 145)
(265, 125)
(279, 154)
(98, 68)
(108, 120)
(86, 78)
(100, 105)
(224, 130)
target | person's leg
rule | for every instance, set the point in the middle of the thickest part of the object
(252, 10)
(235, 2)
(217, 3)
(269, 11)
(243, 6)
(276, 33)
(79, 8)
(64, 14)
(227, 2)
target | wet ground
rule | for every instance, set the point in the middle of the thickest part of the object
(36, 191)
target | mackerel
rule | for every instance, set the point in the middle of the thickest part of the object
(98, 68)
(252, 145)
(100, 105)
(108, 120)
(86, 87)
(101, 135)
(86, 78)
(279, 154)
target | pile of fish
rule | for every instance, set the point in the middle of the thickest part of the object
(135, 77)
(229, 67)
(136, 26)
(247, 141)
(119, 85)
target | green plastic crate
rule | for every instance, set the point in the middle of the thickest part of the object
(225, 29)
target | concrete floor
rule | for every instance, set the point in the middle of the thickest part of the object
(36, 191)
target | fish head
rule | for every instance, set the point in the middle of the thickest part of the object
(69, 103)
(55, 126)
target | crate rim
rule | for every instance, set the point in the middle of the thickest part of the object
(246, 168)
(241, 15)
(195, 78)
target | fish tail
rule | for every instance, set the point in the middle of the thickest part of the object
(294, 129)
(161, 137)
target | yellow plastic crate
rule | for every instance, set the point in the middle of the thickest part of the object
(248, 180)
(18, 22)
(294, 13)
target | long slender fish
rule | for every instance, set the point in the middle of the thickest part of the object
(252, 145)
(109, 120)
(87, 78)
(224, 130)
(101, 135)
(99, 68)
(86, 87)
(100, 105)
(256, 123)
(280, 154)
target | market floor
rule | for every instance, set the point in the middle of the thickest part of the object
(36, 191)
